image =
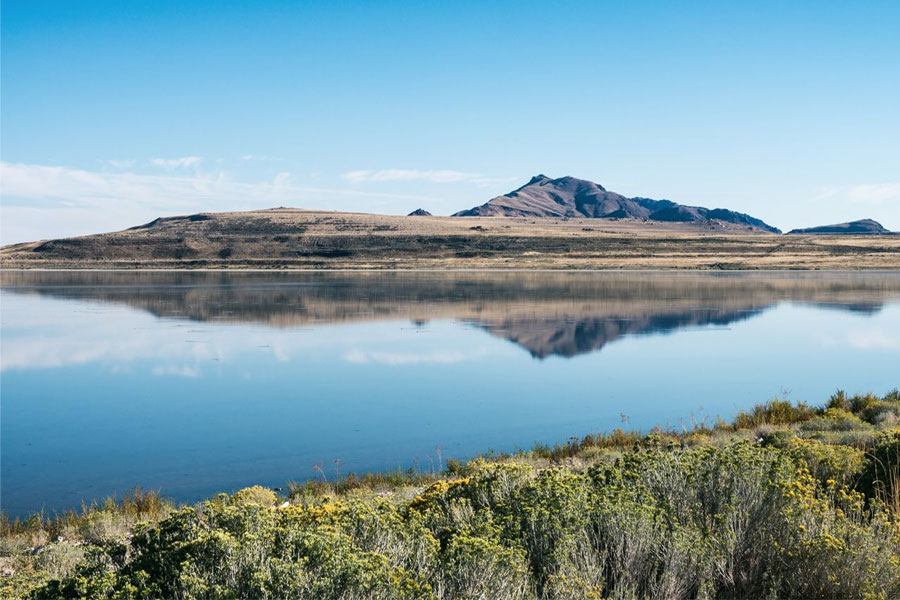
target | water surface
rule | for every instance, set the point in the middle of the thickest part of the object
(196, 383)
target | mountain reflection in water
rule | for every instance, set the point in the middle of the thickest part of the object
(547, 313)
(195, 383)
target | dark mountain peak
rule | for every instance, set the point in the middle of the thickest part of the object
(580, 184)
(419, 212)
(860, 227)
(582, 199)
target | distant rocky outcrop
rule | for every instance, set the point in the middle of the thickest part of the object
(861, 227)
(420, 212)
(579, 198)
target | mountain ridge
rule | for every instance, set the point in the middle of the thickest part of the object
(570, 197)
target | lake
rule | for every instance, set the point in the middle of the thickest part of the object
(195, 383)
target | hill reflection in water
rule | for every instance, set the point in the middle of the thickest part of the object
(547, 313)
(196, 383)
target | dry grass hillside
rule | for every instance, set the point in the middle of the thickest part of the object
(291, 238)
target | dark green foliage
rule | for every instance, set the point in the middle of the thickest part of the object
(773, 412)
(881, 476)
(868, 407)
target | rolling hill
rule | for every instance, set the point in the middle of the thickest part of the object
(861, 227)
(287, 238)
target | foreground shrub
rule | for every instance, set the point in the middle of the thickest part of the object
(740, 521)
(254, 495)
(773, 412)
(827, 462)
(880, 478)
(868, 407)
(772, 512)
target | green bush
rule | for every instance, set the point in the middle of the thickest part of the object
(882, 412)
(868, 407)
(743, 520)
(880, 477)
(254, 495)
(835, 419)
(828, 462)
(727, 513)
(778, 438)
(773, 412)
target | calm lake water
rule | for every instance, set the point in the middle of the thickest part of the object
(197, 383)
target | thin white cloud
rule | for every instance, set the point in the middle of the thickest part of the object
(866, 193)
(431, 176)
(261, 157)
(876, 193)
(77, 186)
(826, 193)
(40, 201)
(177, 163)
(66, 186)
(121, 163)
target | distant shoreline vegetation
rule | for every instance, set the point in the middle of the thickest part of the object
(786, 500)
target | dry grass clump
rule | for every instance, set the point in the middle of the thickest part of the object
(43, 547)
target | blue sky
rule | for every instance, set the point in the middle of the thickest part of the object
(114, 113)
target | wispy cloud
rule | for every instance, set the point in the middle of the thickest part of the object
(431, 176)
(41, 201)
(177, 163)
(120, 163)
(866, 193)
(876, 193)
(261, 157)
(64, 186)
(77, 186)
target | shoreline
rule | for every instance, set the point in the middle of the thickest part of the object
(499, 270)
(821, 481)
(433, 270)
(743, 423)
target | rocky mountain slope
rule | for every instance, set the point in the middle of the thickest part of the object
(569, 197)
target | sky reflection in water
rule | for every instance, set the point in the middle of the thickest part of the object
(207, 382)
